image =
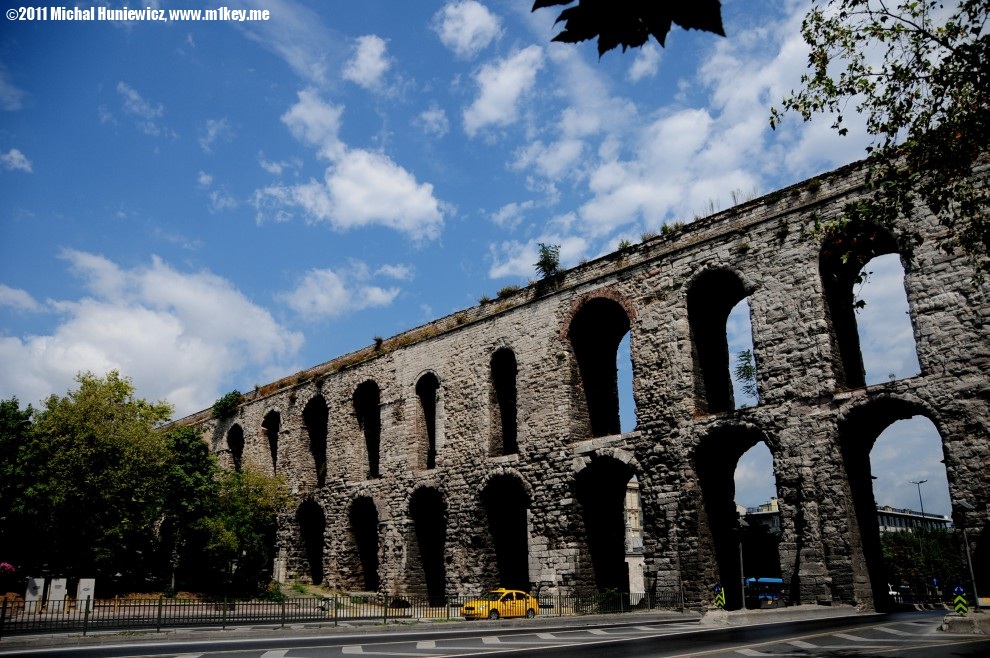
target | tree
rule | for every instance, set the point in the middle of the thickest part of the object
(630, 23)
(191, 490)
(548, 262)
(92, 494)
(745, 372)
(918, 72)
(15, 427)
(241, 532)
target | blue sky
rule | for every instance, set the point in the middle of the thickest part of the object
(212, 205)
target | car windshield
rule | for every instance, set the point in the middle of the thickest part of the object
(492, 596)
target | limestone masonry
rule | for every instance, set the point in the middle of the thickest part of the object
(483, 448)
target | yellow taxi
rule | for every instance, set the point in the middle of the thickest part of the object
(501, 603)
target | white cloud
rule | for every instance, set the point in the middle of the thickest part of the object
(886, 335)
(14, 160)
(466, 27)
(397, 272)
(11, 98)
(180, 336)
(17, 299)
(433, 121)
(646, 64)
(910, 451)
(316, 123)
(501, 86)
(204, 179)
(215, 129)
(369, 63)
(221, 200)
(511, 214)
(516, 259)
(145, 113)
(275, 167)
(297, 35)
(360, 188)
(330, 293)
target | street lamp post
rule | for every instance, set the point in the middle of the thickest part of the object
(921, 541)
(920, 500)
(969, 560)
(742, 572)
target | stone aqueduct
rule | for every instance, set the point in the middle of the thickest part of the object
(484, 448)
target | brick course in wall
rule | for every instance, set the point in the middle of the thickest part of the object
(470, 517)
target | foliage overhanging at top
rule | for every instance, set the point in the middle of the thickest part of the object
(629, 23)
(917, 71)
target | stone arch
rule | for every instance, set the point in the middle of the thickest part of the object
(840, 260)
(360, 560)
(859, 427)
(425, 446)
(506, 498)
(271, 425)
(316, 418)
(715, 459)
(235, 443)
(503, 400)
(312, 523)
(711, 296)
(367, 409)
(600, 486)
(426, 545)
(596, 326)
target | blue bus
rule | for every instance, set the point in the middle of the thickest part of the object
(764, 593)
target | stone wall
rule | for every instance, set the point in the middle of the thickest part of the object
(452, 508)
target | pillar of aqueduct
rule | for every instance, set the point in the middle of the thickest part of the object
(484, 448)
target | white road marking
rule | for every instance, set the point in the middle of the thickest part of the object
(803, 645)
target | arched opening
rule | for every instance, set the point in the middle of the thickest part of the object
(742, 369)
(601, 489)
(757, 503)
(841, 262)
(427, 390)
(595, 333)
(235, 442)
(506, 503)
(893, 454)
(271, 426)
(503, 403)
(717, 461)
(425, 558)
(367, 408)
(627, 404)
(709, 300)
(316, 417)
(363, 574)
(312, 530)
(883, 321)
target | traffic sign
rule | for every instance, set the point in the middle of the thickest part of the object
(719, 596)
(960, 604)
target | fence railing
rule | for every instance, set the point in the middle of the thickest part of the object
(89, 615)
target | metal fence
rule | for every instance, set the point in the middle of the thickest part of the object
(123, 614)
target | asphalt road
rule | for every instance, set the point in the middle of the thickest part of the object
(903, 634)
